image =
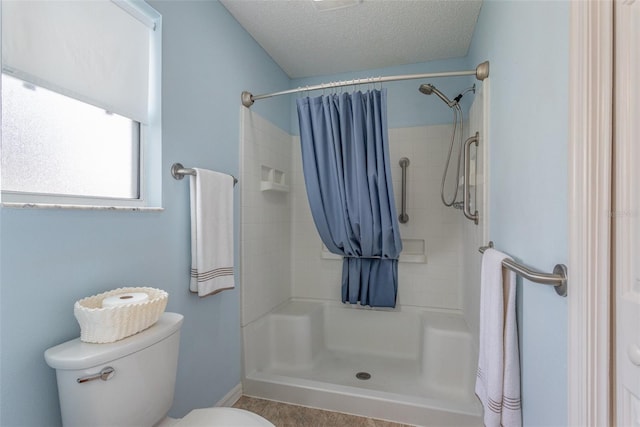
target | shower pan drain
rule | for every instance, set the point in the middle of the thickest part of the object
(363, 375)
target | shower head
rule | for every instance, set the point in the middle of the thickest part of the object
(428, 89)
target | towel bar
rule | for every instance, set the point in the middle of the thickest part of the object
(178, 172)
(558, 278)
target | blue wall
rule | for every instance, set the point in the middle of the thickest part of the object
(51, 258)
(527, 44)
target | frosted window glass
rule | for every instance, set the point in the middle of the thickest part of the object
(54, 144)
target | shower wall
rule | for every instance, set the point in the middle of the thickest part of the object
(432, 283)
(283, 256)
(474, 235)
(265, 155)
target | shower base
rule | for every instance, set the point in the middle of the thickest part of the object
(420, 363)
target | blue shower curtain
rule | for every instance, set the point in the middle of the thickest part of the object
(345, 159)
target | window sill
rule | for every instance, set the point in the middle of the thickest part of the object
(18, 205)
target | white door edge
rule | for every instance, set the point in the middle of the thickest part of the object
(590, 142)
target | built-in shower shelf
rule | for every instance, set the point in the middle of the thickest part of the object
(273, 180)
(273, 186)
(412, 252)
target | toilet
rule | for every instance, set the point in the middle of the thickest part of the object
(130, 382)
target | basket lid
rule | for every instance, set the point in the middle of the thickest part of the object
(76, 354)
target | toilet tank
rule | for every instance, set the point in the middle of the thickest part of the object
(139, 392)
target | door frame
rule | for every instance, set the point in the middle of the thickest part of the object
(590, 155)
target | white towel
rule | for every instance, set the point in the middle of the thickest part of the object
(498, 376)
(211, 232)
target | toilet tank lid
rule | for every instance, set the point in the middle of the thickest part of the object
(76, 354)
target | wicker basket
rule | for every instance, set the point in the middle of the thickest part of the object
(108, 324)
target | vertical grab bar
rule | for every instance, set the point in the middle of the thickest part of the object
(467, 174)
(403, 217)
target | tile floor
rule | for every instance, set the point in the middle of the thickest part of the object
(286, 415)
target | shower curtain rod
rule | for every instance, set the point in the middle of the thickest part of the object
(481, 72)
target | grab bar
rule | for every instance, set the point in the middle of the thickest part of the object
(467, 174)
(403, 217)
(558, 279)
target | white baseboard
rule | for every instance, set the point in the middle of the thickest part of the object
(232, 397)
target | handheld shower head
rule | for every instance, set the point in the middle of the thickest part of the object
(428, 89)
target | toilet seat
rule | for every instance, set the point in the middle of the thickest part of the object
(227, 417)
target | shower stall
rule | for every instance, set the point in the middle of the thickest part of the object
(414, 364)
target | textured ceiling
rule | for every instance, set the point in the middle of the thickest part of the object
(372, 34)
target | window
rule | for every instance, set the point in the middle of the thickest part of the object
(81, 103)
(73, 149)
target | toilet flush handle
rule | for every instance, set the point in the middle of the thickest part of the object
(105, 374)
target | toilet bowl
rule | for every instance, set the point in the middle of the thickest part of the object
(228, 417)
(130, 382)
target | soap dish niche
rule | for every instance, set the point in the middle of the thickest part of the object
(273, 179)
